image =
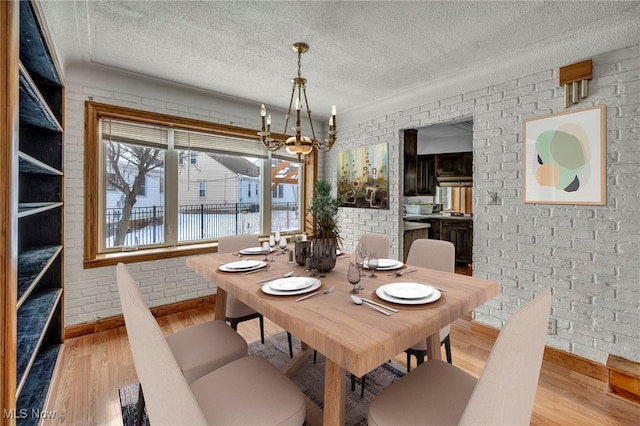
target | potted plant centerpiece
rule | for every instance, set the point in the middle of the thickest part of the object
(324, 223)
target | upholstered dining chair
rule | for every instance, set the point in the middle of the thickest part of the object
(236, 311)
(437, 393)
(439, 255)
(198, 349)
(249, 390)
(376, 243)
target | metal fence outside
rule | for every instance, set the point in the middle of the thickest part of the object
(199, 222)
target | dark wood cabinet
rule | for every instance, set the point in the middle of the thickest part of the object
(457, 231)
(410, 162)
(426, 176)
(460, 233)
(34, 286)
(422, 173)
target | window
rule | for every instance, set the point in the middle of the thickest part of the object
(146, 196)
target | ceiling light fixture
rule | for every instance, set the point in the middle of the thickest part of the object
(298, 144)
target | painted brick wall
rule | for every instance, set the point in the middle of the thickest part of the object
(91, 294)
(588, 255)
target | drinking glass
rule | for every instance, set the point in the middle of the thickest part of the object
(265, 250)
(283, 242)
(361, 254)
(272, 244)
(353, 275)
(373, 264)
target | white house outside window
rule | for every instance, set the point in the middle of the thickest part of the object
(215, 193)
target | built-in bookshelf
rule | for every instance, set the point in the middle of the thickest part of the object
(38, 303)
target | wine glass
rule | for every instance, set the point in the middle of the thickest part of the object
(361, 253)
(283, 242)
(373, 264)
(272, 244)
(353, 275)
(265, 250)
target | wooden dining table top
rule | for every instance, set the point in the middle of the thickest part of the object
(355, 337)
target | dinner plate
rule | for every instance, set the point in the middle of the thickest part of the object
(242, 266)
(253, 250)
(268, 288)
(382, 294)
(290, 284)
(408, 290)
(385, 264)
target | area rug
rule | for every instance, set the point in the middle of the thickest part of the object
(309, 377)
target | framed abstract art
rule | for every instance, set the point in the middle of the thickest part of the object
(565, 158)
(363, 176)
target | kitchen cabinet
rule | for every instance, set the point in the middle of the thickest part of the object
(422, 173)
(454, 167)
(457, 231)
(410, 161)
(33, 285)
(426, 177)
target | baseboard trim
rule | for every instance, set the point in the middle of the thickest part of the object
(109, 323)
(573, 362)
(619, 375)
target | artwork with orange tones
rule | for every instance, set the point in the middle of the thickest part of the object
(363, 176)
(565, 158)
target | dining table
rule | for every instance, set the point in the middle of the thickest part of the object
(353, 338)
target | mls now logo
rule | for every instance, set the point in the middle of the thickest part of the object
(25, 413)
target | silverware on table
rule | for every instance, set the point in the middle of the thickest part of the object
(257, 270)
(379, 304)
(359, 301)
(327, 291)
(401, 273)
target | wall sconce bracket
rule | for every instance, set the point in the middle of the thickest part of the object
(573, 76)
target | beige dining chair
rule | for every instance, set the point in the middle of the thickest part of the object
(236, 311)
(249, 390)
(437, 393)
(376, 243)
(441, 256)
(198, 349)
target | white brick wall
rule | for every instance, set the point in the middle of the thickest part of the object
(588, 255)
(91, 294)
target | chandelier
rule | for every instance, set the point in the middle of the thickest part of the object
(297, 144)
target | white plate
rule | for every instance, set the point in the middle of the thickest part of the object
(253, 250)
(385, 264)
(382, 294)
(290, 284)
(242, 266)
(408, 290)
(314, 284)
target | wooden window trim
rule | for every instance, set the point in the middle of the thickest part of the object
(94, 111)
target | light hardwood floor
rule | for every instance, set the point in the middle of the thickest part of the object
(94, 367)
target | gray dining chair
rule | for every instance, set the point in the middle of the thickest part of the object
(438, 393)
(236, 311)
(441, 256)
(249, 390)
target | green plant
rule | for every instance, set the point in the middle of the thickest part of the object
(324, 207)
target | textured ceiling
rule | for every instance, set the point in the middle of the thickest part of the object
(360, 52)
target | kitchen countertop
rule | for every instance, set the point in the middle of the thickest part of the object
(417, 217)
(412, 226)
